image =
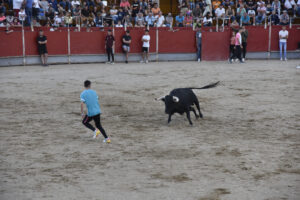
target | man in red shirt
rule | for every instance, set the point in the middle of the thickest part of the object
(109, 46)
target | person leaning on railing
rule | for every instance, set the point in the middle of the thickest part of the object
(274, 19)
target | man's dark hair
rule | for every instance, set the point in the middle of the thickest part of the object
(127, 31)
(147, 30)
(109, 30)
(87, 83)
(41, 30)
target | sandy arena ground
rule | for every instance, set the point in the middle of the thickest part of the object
(246, 147)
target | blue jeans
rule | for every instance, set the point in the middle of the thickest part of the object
(199, 50)
(28, 12)
(282, 44)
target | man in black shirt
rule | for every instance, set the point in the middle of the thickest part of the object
(109, 46)
(126, 44)
(42, 48)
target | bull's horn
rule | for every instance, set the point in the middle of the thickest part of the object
(175, 99)
(160, 98)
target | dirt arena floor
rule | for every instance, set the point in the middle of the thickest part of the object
(247, 146)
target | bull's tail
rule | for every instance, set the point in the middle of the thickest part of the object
(212, 85)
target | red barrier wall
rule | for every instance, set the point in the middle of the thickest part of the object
(179, 41)
(258, 39)
(215, 45)
(11, 44)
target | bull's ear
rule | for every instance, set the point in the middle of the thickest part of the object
(175, 99)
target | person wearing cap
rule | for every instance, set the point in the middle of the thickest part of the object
(283, 36)
(284, 18)
(126, 44)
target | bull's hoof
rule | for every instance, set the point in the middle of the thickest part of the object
(201, 116)
(197, 116)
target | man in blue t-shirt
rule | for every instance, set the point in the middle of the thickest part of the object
(90, 98)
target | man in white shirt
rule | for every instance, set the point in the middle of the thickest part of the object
(146, 46)
(220, 11)
(17, 6)
(283, 36)
(160, 19)
(290, 5)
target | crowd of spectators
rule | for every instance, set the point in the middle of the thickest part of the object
(142, 13)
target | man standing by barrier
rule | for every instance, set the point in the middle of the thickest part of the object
(244, 42)
(198, 43)
(126, 44)
(109, 46)
(283, 36)
(238, 46)
(42, 48)
(146, 47)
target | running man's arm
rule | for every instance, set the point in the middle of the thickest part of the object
(82, 107)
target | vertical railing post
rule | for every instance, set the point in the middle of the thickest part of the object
(270, 35)
(23, 44)
(156, 49)
(69, 46)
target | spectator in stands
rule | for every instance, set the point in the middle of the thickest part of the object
(169, 20)
(143, 4)
(125, 4)
(283, 36)
(75, 3)
(121, 14)
(276, 5)
(127, 21)
(146, 47)
(16, 22)
(191, 4)
(22, 15)
(227, 3)
(150, 20)
(139, 20)
(260, 2)
(17, 6)
(197, 11)
(298, 8)
(179, 19)
(65, 4)
(76, 14)
(238, 46)
(35, 23)
(2, 19)
(240, 12)
(215, 5)
(220, 12)
(188, 20)
(284, 18)
(99, 20)
(290, 6)
(110, 46)
(54, 4)
(208, 7)
(119, 24)
(135, 8)
(269, 7)
(245, 20)
(250, 5)
(68, 20)
(274, 18)
(114, 14)
(160, 19)
(45, 5)
(28, 11)
(244, 35)
(42, 48)
(155, 10)
(261, 14)
(251, 14)
(198, 43)
(85, 14)
(183, 8)
(197, 23)
(126, 44)
(207, 21)
(230, 13)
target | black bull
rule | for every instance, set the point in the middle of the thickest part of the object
(181, 100)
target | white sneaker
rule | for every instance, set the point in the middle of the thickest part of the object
(112, 63)
(281, 59)
(108, 62)
(141, 61)
(199, 60)
(243, 59)
(236, 60)
(285, 59)
(146, 61)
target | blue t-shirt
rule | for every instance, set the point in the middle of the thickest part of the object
(90, 98)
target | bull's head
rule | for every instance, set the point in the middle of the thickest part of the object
(170, 101)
